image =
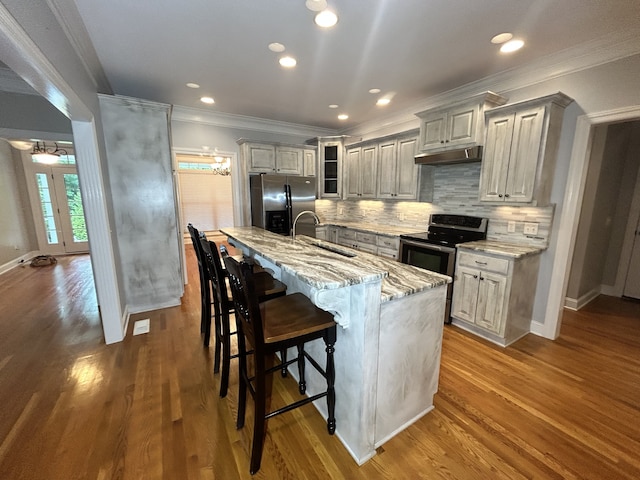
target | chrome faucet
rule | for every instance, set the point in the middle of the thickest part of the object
(315, 219)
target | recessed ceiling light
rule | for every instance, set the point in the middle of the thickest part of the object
(326, 19)
(501, 38)
(374, 90)
(343, 116)
(333, 105)
(276, 47)
(383, 101)
(207, 100)
(288, 62)
(193, 85)
(316, 5)
(511, 46)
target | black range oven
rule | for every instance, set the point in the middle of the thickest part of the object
(435, 249)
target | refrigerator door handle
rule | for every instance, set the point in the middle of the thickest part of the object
(289, 206)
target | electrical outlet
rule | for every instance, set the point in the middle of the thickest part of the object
(530, 228)
(400, 216)
(364, 212)
(340, 211)
(511, 227)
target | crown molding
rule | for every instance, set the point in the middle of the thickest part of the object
(229, 120)
(69, 19)
(587, 55)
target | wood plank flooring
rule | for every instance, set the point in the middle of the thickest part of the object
(148, 408)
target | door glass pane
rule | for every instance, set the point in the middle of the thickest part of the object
(76, 211)
(47, 208)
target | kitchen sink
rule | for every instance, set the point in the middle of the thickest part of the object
(334, 250)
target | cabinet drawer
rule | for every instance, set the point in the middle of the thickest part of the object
(364, 237)
(483, 262)
(346, 234)
(388, 253)
(388, 242)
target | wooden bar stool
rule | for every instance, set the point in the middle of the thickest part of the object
(270, 327)
(205, 290)
(267, 288)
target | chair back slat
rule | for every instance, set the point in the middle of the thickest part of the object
(245, 300)
(216, 273)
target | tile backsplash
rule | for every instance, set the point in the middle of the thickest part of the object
(449, 189)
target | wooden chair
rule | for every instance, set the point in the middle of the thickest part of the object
(205, 290)
(270, 327)
(267, 288)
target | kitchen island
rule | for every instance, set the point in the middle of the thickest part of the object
(388, 348)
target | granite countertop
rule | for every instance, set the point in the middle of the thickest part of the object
(378, 229)
(326, 269)
(511, 250)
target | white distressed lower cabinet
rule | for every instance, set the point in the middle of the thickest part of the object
(493, 294)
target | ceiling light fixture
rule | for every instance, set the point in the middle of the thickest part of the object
(207, 100)
(276, 47)
(501, 38)
(333, 105)
(288, 62)
(48, 155)
(511, 46)
(326, 19)
(316, 5)
(192, 85)
(383, 101)
(374, 90)
(343, 116)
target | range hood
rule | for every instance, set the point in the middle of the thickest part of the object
(462, 155)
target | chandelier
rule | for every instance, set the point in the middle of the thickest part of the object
(48, 155)
(221, 166)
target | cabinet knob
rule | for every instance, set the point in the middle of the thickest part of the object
(481, 278)
(500, 195)
(475, 276)
(446, 141)
(506, 195)
(441, 141)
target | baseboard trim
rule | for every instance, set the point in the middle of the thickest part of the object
(578, 303)
(21, 260)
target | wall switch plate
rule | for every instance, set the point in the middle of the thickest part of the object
(530, 228)
(400, 216)
(340, 211)
(511, 227)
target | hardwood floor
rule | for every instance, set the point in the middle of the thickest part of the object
(148, 408)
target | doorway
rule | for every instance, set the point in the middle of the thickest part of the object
(56, 204)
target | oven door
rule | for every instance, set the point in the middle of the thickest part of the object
(435, 258)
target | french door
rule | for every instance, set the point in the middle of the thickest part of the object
(58, 209)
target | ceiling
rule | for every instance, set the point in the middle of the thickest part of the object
(412, 49)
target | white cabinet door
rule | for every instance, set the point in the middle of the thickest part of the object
(368, 171)
(406, 173)
(352, 177)
(262, 158)
(433, 131)
(524, 155)
(387, 169)
(309, 163)
(491, 298)
(461, 126)
(289, 161)
(495, 163)
(465, 294)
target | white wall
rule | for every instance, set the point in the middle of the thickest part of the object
(17, 233)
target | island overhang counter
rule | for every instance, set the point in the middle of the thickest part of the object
(387, 353)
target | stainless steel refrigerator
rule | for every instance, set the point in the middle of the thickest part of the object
(276, 200)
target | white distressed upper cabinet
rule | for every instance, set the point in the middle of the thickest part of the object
(330, 151)
(520, 150)
(361, 168)
(309, 163)
(493, 295)
(456, 126)
(271, 158)
(397, 171)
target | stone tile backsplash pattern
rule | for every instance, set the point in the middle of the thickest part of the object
(453, 189)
